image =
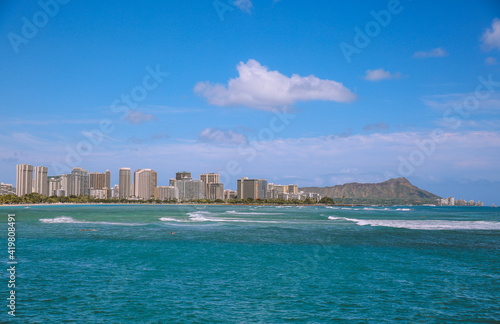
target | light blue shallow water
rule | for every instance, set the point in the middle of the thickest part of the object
(254, 264)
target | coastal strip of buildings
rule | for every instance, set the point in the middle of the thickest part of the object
(450, 201)
(143, 185)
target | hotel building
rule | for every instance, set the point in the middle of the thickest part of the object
(252, 188)
(24, 179)
(125, 178)
(145, 182)
(41, 184)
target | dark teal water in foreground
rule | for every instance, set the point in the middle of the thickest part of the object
(253, 264)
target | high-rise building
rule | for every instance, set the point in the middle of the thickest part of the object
(293, 189)
(215, 191)
(41, 184)
(125, 177)
(65, 184)
(108, 179)
(208, 179)
(54, 184)
(182, 174)
(166, 193)
(144, 183)
(79, 184)
(24, 179)
(252, 188)
(188, 188)
(100, 180)
(154, 182)
(262, 189)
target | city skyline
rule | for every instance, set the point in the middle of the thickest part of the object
(144, 186)
(313, 94)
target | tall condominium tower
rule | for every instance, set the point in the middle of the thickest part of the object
(108, 179)
(209, 179)
(100, 180)
(125, 177)
(188, 188)
(24, 179)
(79, 182)
(293, 189)
(215, 191)
(252, 188)
(154, 182)
(144, 183)
(41, 185)
(55, 183)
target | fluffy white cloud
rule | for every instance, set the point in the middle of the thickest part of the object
(244, 5)
(491, 36)
(218, 136)
(435, 52)
(381, 74)
(258, 87)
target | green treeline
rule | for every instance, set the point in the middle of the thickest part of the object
(35, 198)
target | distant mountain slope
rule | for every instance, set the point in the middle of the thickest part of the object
(395, 191)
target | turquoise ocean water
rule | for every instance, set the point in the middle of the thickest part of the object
(242, 264)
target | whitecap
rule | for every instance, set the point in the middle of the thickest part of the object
(250, 213)
(169, 219)
(425, 224)
(69, 220)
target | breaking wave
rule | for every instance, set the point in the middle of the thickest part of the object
(69, 220)
(204, 216)
(424, 224)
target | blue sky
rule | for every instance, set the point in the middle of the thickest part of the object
(312, 94)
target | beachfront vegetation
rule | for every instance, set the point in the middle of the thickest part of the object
(35, 198)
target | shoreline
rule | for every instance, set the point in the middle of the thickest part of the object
(218, 204)
(171, 204)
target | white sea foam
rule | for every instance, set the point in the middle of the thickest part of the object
(425, 224)
(250, 213)
(403, 209)
(69, 220)
(203, 216)
(62, 219)
(199, 216)
(169, 219)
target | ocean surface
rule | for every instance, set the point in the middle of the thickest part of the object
(253, 264)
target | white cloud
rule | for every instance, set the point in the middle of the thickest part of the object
(244, 5)
(381, 74)
(490, 61)
(218, 136)
(491, 36)
(435, 52)
(138, 117)
(258, 87)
